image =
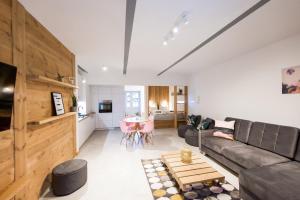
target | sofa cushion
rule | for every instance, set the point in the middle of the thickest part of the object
(218, 144)
(276, 182)
(278, 139)
(249, 157)
(241, 129)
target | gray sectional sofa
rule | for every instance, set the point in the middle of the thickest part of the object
(265, 156)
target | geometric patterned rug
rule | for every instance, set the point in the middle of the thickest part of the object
(164, 187)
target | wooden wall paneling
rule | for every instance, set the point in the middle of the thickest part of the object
(6, 159)
(163, 93)
(175, 106)
(39, 96)
(18, 30)
(29, 153)
(55, 142)
(158, 94)
(6, 31)
(45, 54)
(6, 137)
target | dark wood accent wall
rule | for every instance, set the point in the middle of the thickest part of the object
(28, 153)
(158, 94)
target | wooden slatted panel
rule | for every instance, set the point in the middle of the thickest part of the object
(27, 44)
(179, 164)
(189, 167)
(178, 159)
(187, 174)
(200, 178)
(6, 55)
(194, 172)
(6, 159)
(170, 154)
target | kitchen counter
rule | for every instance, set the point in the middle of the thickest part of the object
(83, 117)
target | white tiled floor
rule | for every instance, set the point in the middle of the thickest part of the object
(115, 172)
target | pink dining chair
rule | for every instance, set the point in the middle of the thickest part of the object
(126, 130)
(147, 131)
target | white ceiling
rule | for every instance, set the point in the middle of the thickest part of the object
(94, 30)
(275, 21)
(154, 18)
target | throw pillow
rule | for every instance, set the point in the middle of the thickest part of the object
(225, 126)
(206, 124)
(224, 129)
(191, 119)
(223, 135)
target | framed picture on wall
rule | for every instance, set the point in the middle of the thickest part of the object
(58, 103)
(291, 80)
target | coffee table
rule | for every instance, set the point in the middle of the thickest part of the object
(187, 174)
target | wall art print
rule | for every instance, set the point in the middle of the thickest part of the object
(291, 80)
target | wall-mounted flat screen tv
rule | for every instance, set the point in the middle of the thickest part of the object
(7, 86)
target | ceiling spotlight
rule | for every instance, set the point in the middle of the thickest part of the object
(104, 68)
(83, 81)
(8, 90)
(180, 22)
(175, 29)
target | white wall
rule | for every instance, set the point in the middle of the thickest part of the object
(249, 87)
(114, 93)
(115, 77)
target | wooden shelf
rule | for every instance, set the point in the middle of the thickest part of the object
(51, 119)
(44, 79)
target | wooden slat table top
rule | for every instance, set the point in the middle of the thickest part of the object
(179, 163)
(190, 167)
(198, 171)
(178, 158)
(195, 172)
(201, 178)
(170, 153)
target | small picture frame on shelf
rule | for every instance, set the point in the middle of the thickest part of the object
(58, 103)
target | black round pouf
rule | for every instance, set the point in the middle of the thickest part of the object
(182, 130)
(192, 137)
(69, 176)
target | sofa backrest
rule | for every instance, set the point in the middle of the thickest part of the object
(241, 129)
(297, 155)
(275, 138)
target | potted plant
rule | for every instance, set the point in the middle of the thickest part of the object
(74, 101)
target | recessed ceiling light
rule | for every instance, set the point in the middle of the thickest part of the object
(83, 81)
(175, 29)
(165, 43)
(104, 68)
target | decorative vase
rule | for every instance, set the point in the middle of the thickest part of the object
(186, 155)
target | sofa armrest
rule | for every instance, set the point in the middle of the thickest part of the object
(205, 133)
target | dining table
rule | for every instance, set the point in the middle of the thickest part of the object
(137, 125)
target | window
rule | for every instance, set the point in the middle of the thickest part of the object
(133, 102)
